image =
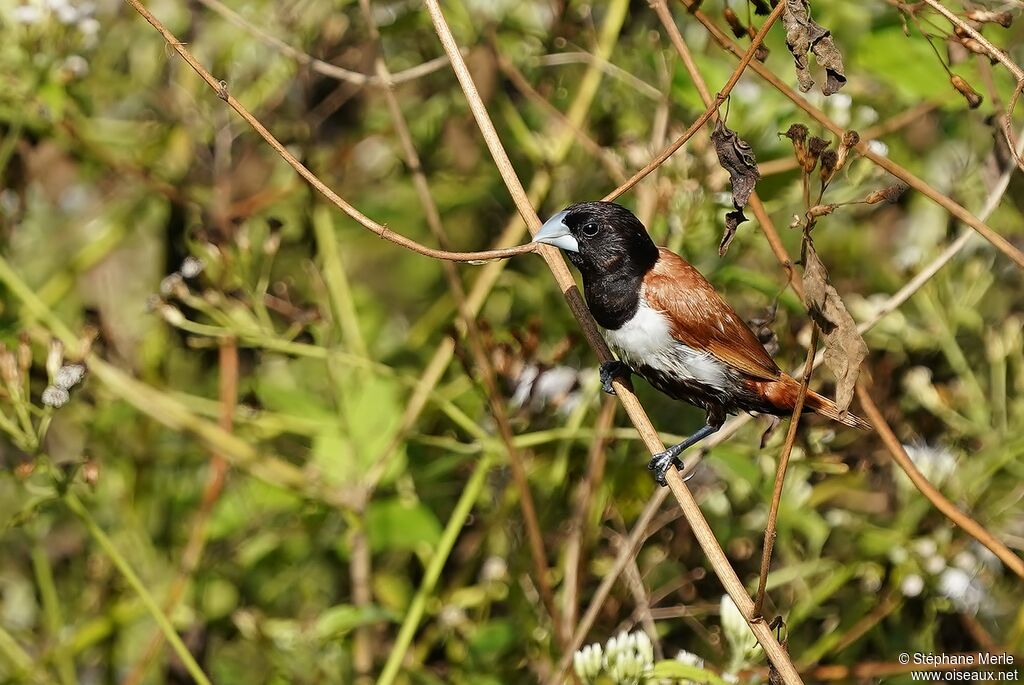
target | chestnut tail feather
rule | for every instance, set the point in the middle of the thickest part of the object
(826, 407)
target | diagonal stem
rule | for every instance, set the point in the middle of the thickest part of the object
(701, 529)
(480, 358)
(941, 199)
(949, 510)
(780, 475)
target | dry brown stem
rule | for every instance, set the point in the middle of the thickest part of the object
(780, 475)
(221, 88)
(949, 510)
(943, 200)
(710, 112)
(702, 530)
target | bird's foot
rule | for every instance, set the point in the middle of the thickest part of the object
(663, 462)
(613, 370)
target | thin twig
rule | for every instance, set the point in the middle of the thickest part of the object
(1018, 73)
(635, 584)
(708, 113)
(122, 565)
(480, 358)
(418, 605)
(943, 200)
(780, 474)
(760, 213)
(221, 88)
(540, 186)
(567, 285)
(193, 552)
(607, 67)
(319, 66)
(609, 161)
(596, 458)
(949, 510)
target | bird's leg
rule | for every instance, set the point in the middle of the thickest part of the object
(612, 370)
(662, 462)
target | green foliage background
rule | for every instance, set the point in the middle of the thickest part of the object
(118, 162)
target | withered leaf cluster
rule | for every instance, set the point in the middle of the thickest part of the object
(737, 158)
(844, 348)
(803, 36)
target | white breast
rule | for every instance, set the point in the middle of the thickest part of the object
(646, 340)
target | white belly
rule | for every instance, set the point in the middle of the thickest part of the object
(646, 340)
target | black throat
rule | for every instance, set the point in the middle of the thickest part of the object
(612, 288)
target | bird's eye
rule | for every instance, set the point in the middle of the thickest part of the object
(589, 229)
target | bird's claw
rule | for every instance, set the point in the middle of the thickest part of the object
(611, 371)
(662, 462)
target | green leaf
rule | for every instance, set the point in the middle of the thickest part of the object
(685, 673)
(343, 618)
(395, 525)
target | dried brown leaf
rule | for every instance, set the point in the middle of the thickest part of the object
(844, 348)
(1004, 19)
(887, 194)
(735, 25)
(972, 96)
(818, 211)
(761, 53)
(738, 159)
(803, 36)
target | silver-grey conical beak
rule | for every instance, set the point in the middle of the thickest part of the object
(555, 232)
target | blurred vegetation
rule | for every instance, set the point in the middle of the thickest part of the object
(364, 479)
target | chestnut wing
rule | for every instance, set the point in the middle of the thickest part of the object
(702, 320)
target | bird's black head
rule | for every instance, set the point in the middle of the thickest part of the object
(601, 239)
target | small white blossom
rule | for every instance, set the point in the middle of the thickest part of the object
(878, 147)
(495, 569)
(190, 267)
(689, 658)
(587, 662)
(76, 66)
(743, 646)
(912, 585)
(69, 376)
(934, 565)
(55, 397)
(965, 592)
(936, 463)
(27, 14)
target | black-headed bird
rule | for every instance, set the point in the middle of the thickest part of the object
(666, 323)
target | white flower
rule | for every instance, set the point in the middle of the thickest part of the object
(69, 376)
(587, 662)
(190, 267)
(934, 565)
(27, 14)
(878, 147)
(76, 66)
(936, 463)
(965, 592)
(689, 658)
(55, 397)
(495, 569)
(912, 585)
(629, 657)
(743, 646)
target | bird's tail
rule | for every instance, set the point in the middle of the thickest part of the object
(826, 407)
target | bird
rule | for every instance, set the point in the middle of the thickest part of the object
(666, 323)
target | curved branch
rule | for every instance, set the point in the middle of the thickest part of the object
(701, 530)
(941, 199)
(949, 510)
(221, 88)
(318, 65)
